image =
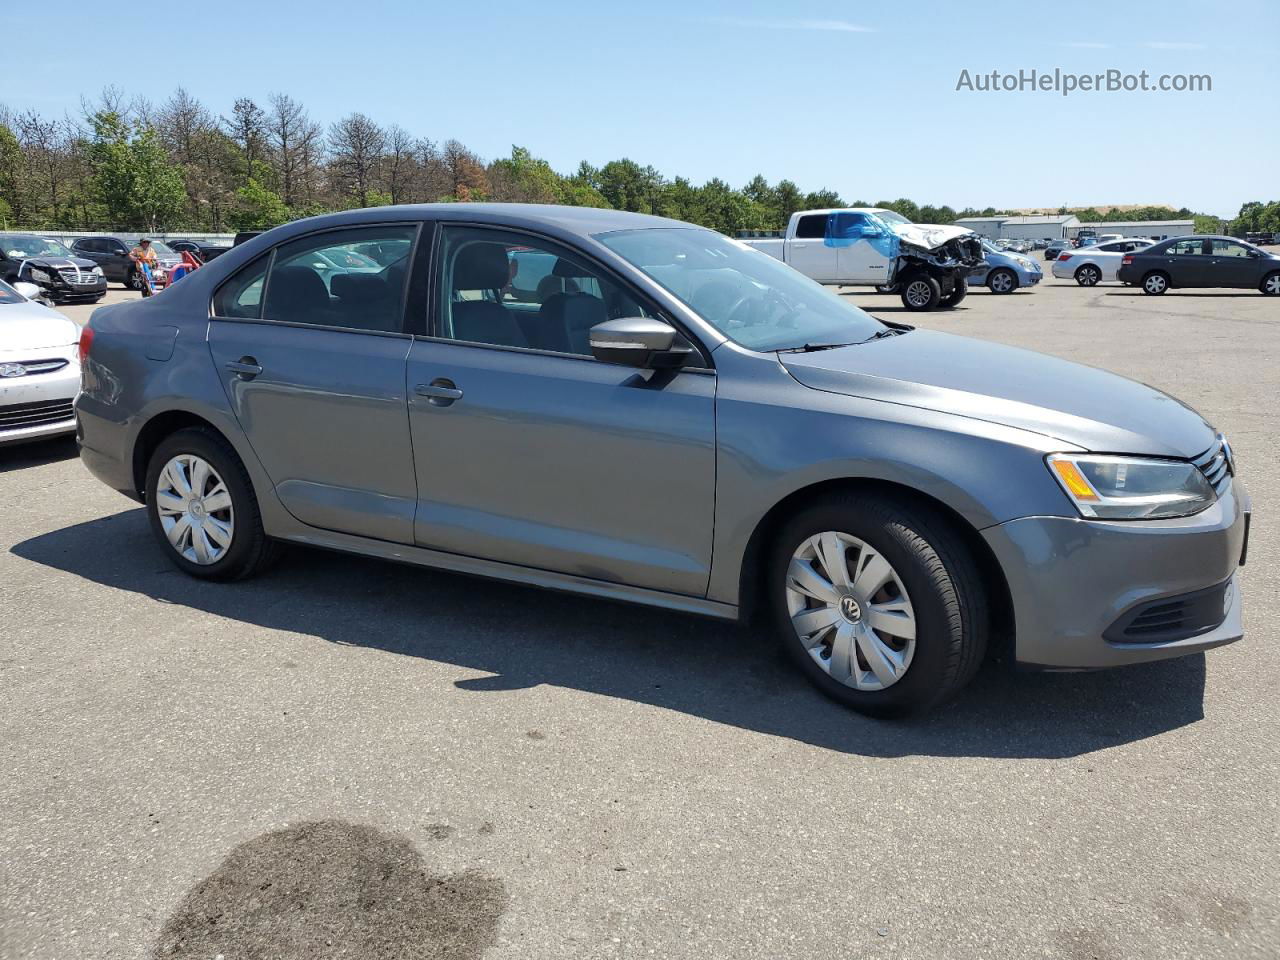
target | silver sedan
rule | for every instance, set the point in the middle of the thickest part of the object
(1089, 266)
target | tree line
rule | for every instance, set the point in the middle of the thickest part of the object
(132, 164)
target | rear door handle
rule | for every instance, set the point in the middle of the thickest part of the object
(439, 392)
(246, 368)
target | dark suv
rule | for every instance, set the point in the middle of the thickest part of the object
(112, 255)
(51, 267)
(203, 249)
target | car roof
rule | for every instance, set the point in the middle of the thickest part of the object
(579, 220)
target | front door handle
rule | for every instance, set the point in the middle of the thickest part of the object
(246, 368)
(440, 392)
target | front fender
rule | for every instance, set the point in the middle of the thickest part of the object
(776, 437)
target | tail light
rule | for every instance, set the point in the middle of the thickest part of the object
(1126, 261)
(1064, 256)
(86, 341)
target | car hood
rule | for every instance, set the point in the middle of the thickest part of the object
(1079, 405)
(928, 235)
(61, 263)
(33, 326)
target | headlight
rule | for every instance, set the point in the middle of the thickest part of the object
(96, 271)
(40, 276)
(1131, 488)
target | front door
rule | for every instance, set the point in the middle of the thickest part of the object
(1230, 265)
(309, 343)
(860, 248)
(528, 450)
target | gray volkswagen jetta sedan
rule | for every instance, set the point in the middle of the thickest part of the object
(639, 409)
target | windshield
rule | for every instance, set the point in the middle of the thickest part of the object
(888, 216)
(163, 249)
(25, 248)
(747, 295)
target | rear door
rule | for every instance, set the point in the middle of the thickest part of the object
(809, 252)
(312, 358)
(1184, 261)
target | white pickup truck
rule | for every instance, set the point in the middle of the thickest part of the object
(867, 246)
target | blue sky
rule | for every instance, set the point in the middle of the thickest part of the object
(859, 97)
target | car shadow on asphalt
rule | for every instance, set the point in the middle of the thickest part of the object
(723, 672)
(20, 456)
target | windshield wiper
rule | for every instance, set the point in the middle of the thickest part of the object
(815, 347)
(881, 334)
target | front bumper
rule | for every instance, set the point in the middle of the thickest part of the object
(39, 405)
(1071, 580)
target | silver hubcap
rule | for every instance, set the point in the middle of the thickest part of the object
(1155, 284)
(195, 509)
(1001, 283)
(918, 293)
(851, 611)
(1088, 276)
(1273, 284)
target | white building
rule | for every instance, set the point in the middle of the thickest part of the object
(1052, 226)
(1152, 229)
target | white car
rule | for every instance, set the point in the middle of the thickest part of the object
(39, 367)
(1097, 263)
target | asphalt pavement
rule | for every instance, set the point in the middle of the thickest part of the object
(372, 760)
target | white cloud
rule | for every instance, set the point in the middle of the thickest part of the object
(826, 26)
(1086, 45)
(1172, 45)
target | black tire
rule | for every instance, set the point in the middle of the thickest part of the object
(941, 577)
(1155, 283)
(958, 293)
(1088, 275)
(1002, 281)
(886, 288)
(251, 550)
(135, 281)
(1270, 285)
(921, 292)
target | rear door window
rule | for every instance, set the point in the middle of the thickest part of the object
(812, 227)
(330, 279)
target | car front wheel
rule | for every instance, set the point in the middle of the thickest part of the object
(921, 292)
(880, 604)
(1002, 281)
(202, 509)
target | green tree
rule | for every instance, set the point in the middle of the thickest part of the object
(257, 208)
(132, 176)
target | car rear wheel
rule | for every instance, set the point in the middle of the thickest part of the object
(1088, 275)
(202, 509)
(1002, 281)
(879, 603)
(921, 292)
(1271, 284)
(1155, 284)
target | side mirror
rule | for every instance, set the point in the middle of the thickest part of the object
(29, 290)
(638, 342)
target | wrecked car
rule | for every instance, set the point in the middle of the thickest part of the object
(860, 246)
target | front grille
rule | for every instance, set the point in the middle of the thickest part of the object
(1215, 464)
(1172, 618)
(18, 416)
(42, 366)
(77, 276)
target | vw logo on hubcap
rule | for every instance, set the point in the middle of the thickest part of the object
(197, 508)
(850, 610)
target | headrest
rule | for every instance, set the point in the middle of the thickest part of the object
(347, 285)
(481, 266)
(567, 268)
